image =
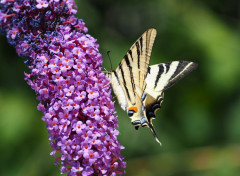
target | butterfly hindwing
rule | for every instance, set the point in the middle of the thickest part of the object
(162, 76)
(159, 78)
(152, 104)
(118, 89)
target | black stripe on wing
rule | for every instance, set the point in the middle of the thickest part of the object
(167, 65)
(149, 70)
(183, 68)
(141, 43)
(139, 48)
(138, 53)
(124, 82)
(115, 74)
(131, 73)
(152, 107)
(130, 53)
(160, 71)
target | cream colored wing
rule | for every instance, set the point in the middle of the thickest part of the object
(159, 78)
(132, 70)
(118, 89)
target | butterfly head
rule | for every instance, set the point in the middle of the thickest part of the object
(108, 74)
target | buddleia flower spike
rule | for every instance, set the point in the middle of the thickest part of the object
(65, 72)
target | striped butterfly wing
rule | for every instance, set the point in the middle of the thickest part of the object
(138, 87)
(132, 70)
(159, 78)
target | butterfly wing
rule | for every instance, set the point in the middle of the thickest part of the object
(132, 70)
(159, 78)
(138, 87)
(118, 89)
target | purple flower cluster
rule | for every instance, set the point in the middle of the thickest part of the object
(65, 72)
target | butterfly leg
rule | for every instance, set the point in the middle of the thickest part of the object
(106, 84)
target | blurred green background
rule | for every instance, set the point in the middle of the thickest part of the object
(199, 123)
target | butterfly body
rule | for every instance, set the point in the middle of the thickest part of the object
(139, 87)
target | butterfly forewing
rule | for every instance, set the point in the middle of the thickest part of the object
(133, 68)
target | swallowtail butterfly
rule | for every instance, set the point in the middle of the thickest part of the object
(139, 87)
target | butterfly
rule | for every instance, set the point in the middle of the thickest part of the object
(139, 87)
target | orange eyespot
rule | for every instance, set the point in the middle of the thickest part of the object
(133, 108)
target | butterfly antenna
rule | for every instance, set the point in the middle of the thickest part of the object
(105, 69)
(109, 59)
